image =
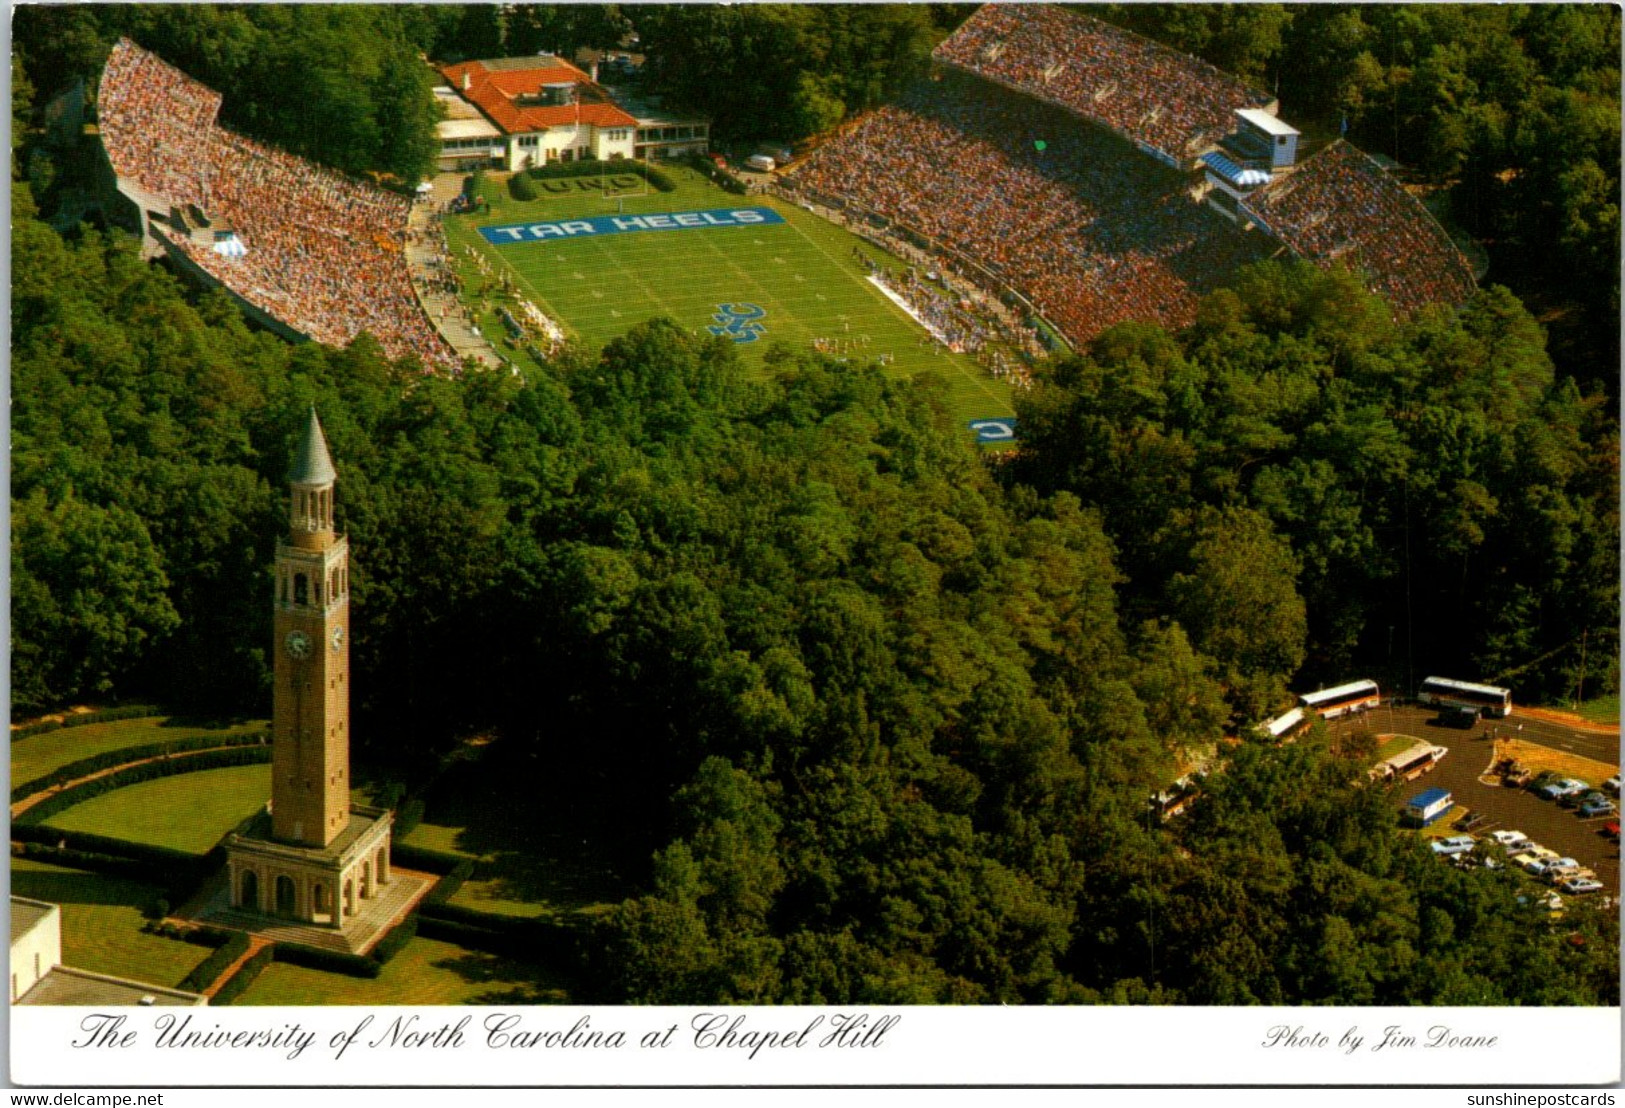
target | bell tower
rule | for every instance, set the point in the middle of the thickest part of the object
(310, 789)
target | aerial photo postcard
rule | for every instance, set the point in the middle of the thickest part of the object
(771, 543)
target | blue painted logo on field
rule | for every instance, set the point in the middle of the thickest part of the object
(994, 430)
(740, 322)
(509, 233)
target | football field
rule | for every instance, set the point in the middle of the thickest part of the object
(795, 281)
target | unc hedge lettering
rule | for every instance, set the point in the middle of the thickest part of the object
(214, 759)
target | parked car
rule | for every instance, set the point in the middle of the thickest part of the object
(1511, 840)
(1536, 859)
(1610, 830)
(1543, 866)
(1612, 785)
(1596, 805)
(1456, 844)
(1560, 871)
(1580, 886)
(1561, 787)
(1472, 821)
(1571, 798)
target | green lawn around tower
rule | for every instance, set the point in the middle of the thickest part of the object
(424, 972)
(101, 923)
(803, 273)
(34, 757)
(188, 811)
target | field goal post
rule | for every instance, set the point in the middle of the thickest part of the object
(609, 192)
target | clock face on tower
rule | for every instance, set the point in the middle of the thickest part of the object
(338, 639)
(298, 644)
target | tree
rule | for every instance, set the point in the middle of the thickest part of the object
(88, 598)
(1242, 607)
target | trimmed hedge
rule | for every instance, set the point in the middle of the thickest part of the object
(109, 864)
(314, 957)
(215, 964)
(421, 857)
(476, 938)
(86, 766)
(129, 711)
(591, 167)
(490, 921)
(522, 187)
(202, 935)
(566, 941)
(408, 816)
(104, 844)
(445, 888)
(391, 944)
(150, 771)
(245, 976)
(80, 719)
(554, 171)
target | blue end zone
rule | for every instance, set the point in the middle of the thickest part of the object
(509, 233)
(994, 430)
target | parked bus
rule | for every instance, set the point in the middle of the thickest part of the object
(1410, 763)
(1282, 727)
(1356, 696)
(1485, 699)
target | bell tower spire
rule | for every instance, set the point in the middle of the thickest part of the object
(311, 479)
(310, 788)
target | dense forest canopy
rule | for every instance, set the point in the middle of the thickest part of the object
(886, 709)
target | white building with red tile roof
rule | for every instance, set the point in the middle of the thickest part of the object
(513, 113)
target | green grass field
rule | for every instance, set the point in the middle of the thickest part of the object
(101, 923)
(189, 811)
(1393, 744)
(35, 757)
(802, 272)
(424, 972)
(1604, 709)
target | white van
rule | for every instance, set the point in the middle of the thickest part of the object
(760, 162)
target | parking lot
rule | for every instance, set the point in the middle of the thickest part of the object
(1470, 756)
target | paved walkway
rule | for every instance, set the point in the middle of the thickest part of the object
(255, 945)
(444, 309)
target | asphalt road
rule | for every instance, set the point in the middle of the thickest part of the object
(1560, 829)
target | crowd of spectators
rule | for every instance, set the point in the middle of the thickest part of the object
(1341, 206)
(156, 123)
(323, 253)
(1089, 230)
(1145, 91)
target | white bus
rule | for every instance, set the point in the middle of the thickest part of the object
(1282, 727)
(1356, 696)
(1486, 699)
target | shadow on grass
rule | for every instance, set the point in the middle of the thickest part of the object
(554, 851)
(201, 723)
(65, 887)
(516, 982)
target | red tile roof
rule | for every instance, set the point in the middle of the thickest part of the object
(496, 93)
